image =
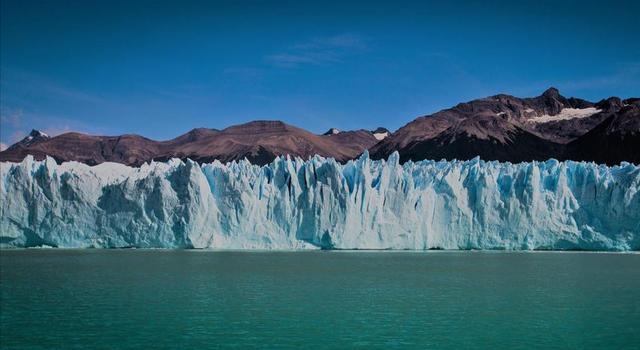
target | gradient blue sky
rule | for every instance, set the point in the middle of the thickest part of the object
(161, 68)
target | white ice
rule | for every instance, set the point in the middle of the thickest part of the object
(319, 203)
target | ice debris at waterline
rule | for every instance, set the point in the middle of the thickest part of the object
(320, 203)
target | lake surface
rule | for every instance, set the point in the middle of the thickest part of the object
(318, 299)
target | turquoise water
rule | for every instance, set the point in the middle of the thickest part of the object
(441, 300)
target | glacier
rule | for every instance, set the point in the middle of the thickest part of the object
(322, 204)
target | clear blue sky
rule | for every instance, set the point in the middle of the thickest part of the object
(161, 68)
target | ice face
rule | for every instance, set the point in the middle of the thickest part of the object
(319, 203)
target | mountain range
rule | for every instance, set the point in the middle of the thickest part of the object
(500, 127)
(507, 128)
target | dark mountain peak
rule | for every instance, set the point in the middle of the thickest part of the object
(37, 133)
(380, 130)
(550, 102)
(610, 104)
(35, 136)
(332, 131)
(199, 133)
(551, 93)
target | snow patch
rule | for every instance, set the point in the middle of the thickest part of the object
(380, 135)
(332, 131)
(566, 114)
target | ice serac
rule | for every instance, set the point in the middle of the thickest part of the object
(320, 203)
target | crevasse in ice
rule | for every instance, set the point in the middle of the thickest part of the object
(319, 203)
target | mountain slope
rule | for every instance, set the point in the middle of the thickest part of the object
(500, 127)
(615, 140)
(258, 141)
(488, 138)
(261, 141)
(503, 127)
(126, 149)
(34, 137)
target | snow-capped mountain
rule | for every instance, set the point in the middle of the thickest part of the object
(508, 128)
(34, 137)
(332, 131)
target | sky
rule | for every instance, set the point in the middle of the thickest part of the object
(161, 68)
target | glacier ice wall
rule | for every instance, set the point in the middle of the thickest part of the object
(319, 203)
